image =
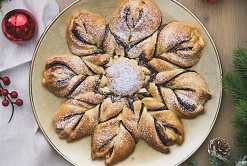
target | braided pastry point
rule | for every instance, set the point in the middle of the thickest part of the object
(69, 76)
(134, 27)
(161, 129)
(75, 119)
(180, 43)
(112, 141)
(62, 73)
(185, 93)
(160, 65)
(134, 21)
(116, 135)
(85, 33)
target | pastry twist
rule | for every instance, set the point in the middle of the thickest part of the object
(134, 26)
(75, 119)
(69, 76)
(180, 43)
(117, 133)
(85, 34)
(182, 91)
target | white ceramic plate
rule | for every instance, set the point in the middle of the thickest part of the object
(44, 104)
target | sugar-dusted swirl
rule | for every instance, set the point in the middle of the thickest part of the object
(134, 21)
(134, 27)
(85, 34)
(69, 76)
(75, 119)
(182, 91)
(117, 133)
(161, 129)
(180, 43)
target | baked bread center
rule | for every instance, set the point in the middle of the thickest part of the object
(125, 77)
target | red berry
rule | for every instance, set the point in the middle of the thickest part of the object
(19, 102)
(6, 80)
(5, 92)
(5, 102)
(14, 94)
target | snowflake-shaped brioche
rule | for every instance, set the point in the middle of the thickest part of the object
(127, 80)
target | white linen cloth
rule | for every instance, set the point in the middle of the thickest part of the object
(21, 141)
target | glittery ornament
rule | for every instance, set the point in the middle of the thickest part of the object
(19, 26)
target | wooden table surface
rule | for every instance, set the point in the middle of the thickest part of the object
(227, 23)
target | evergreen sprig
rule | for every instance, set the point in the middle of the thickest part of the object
(235, 86)
(192, 163)
(235, 83)
(241, 161)
(217, 160)
(240, 61)
(239, 123)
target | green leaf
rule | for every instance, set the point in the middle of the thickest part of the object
(216, 160)
(239, 123)
(240, 61)
(192, 163)
(241, 113)
(241, 161)
(235, 86)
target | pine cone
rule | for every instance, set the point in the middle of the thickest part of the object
(220, 147)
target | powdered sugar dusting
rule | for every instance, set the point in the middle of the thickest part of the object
(125, 77)
(173, 34)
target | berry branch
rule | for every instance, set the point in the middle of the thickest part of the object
(9, 96)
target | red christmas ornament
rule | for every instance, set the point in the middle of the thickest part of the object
(19, 26)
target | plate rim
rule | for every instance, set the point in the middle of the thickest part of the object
(58, 16)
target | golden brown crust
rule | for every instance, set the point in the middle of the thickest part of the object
(111, 140)
(180, 43)
(66, 75)
(152, 105)
(98, 59)
(110, 109)
(75, 119)
(185, 94)
(103, 138)
(161, 129)
(85, 33)
(116, 135)
(161, 65)
(149, 133)
(135, 20)
(145, 48)
(61, 74)
(165, 76)
(170, 126)
(123, 147)
(130, 117)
